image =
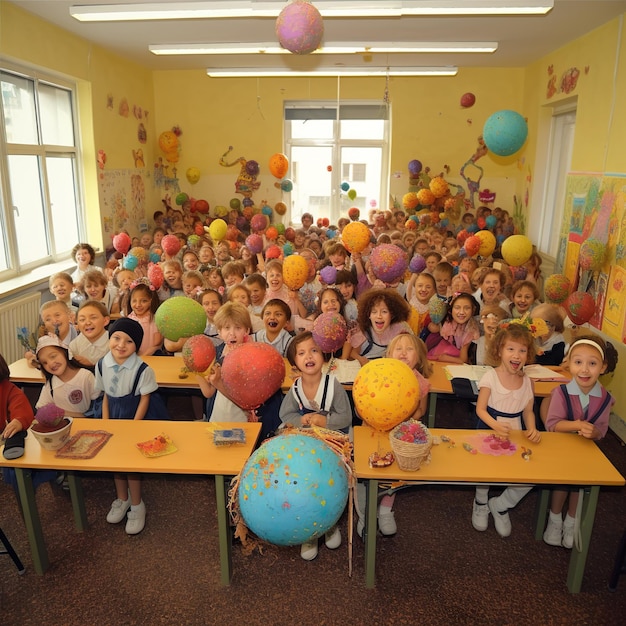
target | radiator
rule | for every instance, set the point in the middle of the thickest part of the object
(14, 314)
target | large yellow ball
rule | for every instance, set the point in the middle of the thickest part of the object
(517, 249)
(218, 230)
(355, 236)
(295, 271)
(385, 392)
(487, 242)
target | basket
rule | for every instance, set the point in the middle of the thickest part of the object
(410, 456)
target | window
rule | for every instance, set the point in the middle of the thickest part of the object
(40, 212)
(336, 151)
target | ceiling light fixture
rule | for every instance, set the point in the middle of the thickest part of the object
(328, 8)
(243, 72)
(329, 48)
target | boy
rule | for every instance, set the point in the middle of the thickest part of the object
(56, 318)
(61, 285)
(276, 315)
(257, 286)
(93, 342)
(233, 273)
(442, 274)
(432, 258)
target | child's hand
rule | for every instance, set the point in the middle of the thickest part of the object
(14, 426)
(215, 375)
(533, 435)
(502, 429)
(434, 328)
(588, 430)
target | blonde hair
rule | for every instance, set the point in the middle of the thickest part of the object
(232, 312)
(550, 313)
(423, 365)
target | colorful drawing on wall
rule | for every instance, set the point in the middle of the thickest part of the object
(122, 200)
(474, 185)
(615, 303)
(164, 178)
(142, 135)
(170, 144)
(138, 157)
(123, 109)
(246, 183)
(110, 101)
(569, 79)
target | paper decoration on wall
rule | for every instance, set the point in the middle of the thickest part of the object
(138, 157)
(170, 145)
(246, 183)
(102, 159)
(163, 177)
(110, 101)
(123, 108)
(473, 186)
(569, 80)
(142, 135)
(137, 111)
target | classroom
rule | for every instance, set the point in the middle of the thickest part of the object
(150, 133)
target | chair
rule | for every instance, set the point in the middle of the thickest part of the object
(620, 564)
(8, 549)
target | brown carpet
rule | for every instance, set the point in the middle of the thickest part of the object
(436, 570)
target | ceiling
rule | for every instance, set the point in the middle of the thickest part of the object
(521, 40)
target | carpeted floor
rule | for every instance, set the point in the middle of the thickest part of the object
(436, 570)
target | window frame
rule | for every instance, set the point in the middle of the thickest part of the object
(41, 152)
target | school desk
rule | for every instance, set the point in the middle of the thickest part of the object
(559, 459)
(197, 454)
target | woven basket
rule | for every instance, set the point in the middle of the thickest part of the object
(410, 456)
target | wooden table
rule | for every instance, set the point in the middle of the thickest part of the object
(196, 455)
(559, 459)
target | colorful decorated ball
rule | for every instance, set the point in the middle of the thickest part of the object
(592, 254)
(273, 252)
(580, 307)
(290, 234)
(198, 353)
(385, 393)
(345, 186)
(518, 273)
(242, 223)
(505, 132)
(415, 167)
(280, 228)
(272, 233)
(221, 211)
(425, 197)
(328, 275)
(170, 244)
(287, 249)
(439, 187)
(198, 228)
(418, 263)
(140, 253)
(481, 222)
(292, 489)
(355, 237)
(491, 221)
(295, 271)
(331, 233)
(155, 275)
(278, 165)
(267, 210)
(155, 255)
(472, 245)
(330, 331)
(286, 185)
(235, 203)
(247, 202)
(388, 262)
(409, 200)
(218, 229)
(280, 208)
(517, 249)
(181, 198)
(252, 167)
(259, 222)
(193, 241)
(467, 100)
(300, 27)
(354, 213)
(179, 317)
(121, 243)
(556, 288)
(437, 309)
(411, 224)
(252, 373)
(352, 194)
(201, 206)
(472, 228)
(232, 233)
(487, 242)
(130, 262)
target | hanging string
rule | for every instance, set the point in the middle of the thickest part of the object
(258, 101)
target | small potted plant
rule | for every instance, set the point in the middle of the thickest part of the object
(51, 427)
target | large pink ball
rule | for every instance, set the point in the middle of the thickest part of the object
(418, 263)
(580, 307)
(198, 353)
(155, 275)
(170, 244)
(259, 222)
(388, 262)
(329, 331)
(252, 373)
(121, 243)
(299, 27)
(328, 275)
(254, 243)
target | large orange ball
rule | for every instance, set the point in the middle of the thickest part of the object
(355, 236)
(198, 353)
(280, 208)
(425, 197)
(295, 271)
(487, 242)
(279, 164)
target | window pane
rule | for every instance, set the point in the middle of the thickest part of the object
(60, 173)
(312, 129)
(358, 161)
(55, 110)
(362, 129)
(312, 184)
(3, 252)
(27, 208)
(18, 100)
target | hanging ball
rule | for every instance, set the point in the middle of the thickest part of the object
(505, 132)
(280, 208)
(300, 27)
(235, 204)
(467, 100)
(345, 186)
(252, 168)
(218, 229)
(279, 164)
(352, 194)
(286, 185)
(415, 167)
(193, 175)
(556, 288)
(517, 249)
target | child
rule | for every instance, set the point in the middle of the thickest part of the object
(142, 305)
(206, 254)
(551, 346)
(461, 283)
(215, 280)
(122, 280)
(190, 260)
(68, 385)
(421, 288)
(491, 289)
(239, 293)
(233, 273)
(581, 406)
(330, 300)
(505, 403)
(252, 263)
(346, 283)
(275, 315)
(533, 267)
(312, 285)
(336, 255)
(93, 341)
(85, 257)
(95, 287)
(211, 301)
(443, 274)
(278, 289)
(383, 314)
(157, 236)
(128, 385)
(56, 319)
(524, 296)
(315, 399)
(173, 280)
(490, 317)
(233, 323)
(458, 331)
(432, 258)
(193, 283)
(61, 285)
(222, 253)
(257, 286)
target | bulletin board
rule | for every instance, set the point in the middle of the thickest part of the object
(595, 208)
(123, 200)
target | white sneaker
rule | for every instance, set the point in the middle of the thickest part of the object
(118, 511)
(502, 521)
(136, 519)
(553, 533)
(308, 550)
(568, 535)
(332, 538)
(386, 521)
(480, 516)
(360, 527)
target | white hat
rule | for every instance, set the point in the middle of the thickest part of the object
(51, 339)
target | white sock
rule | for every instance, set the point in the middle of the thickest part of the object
(134, 507)
(556, 517)
(569, 520)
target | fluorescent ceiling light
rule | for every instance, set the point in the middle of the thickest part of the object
(328, 8)
(242, 72)
(329, 48)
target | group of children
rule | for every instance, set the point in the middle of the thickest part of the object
(93, 366)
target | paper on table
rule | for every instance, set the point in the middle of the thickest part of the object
(540, 372)
(343, 370)
(471, 372)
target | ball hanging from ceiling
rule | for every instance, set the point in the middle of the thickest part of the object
(505, 132)
(299, 27)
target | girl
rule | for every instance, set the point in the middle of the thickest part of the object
(122, 280)
(215, 280)
(505, 403)
(278, 289)
(490, 318)
(211, 301)
(68, 385)
(330, 300)
(346, 283)
(206, 254)
(190, 260)
(257, 286)
(252, 263)
(524, 296)
(551, 346)
(193, 283)
(95, 287)
(459, 329)
(85, 257)
(142, 305)
(128, 385)
(420, 290)
(533, 266)
(173, 280)
(383, 314)
(240, 293)
(491, 289)
(315, 399)
(582, 406)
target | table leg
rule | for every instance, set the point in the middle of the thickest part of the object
(31, 519)
(78, 500)
(224, 530)
(369, 536)
(542, 513)
(578, 559)
(432, 409)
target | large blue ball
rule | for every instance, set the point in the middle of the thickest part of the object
(505, 132)
(293, 489)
